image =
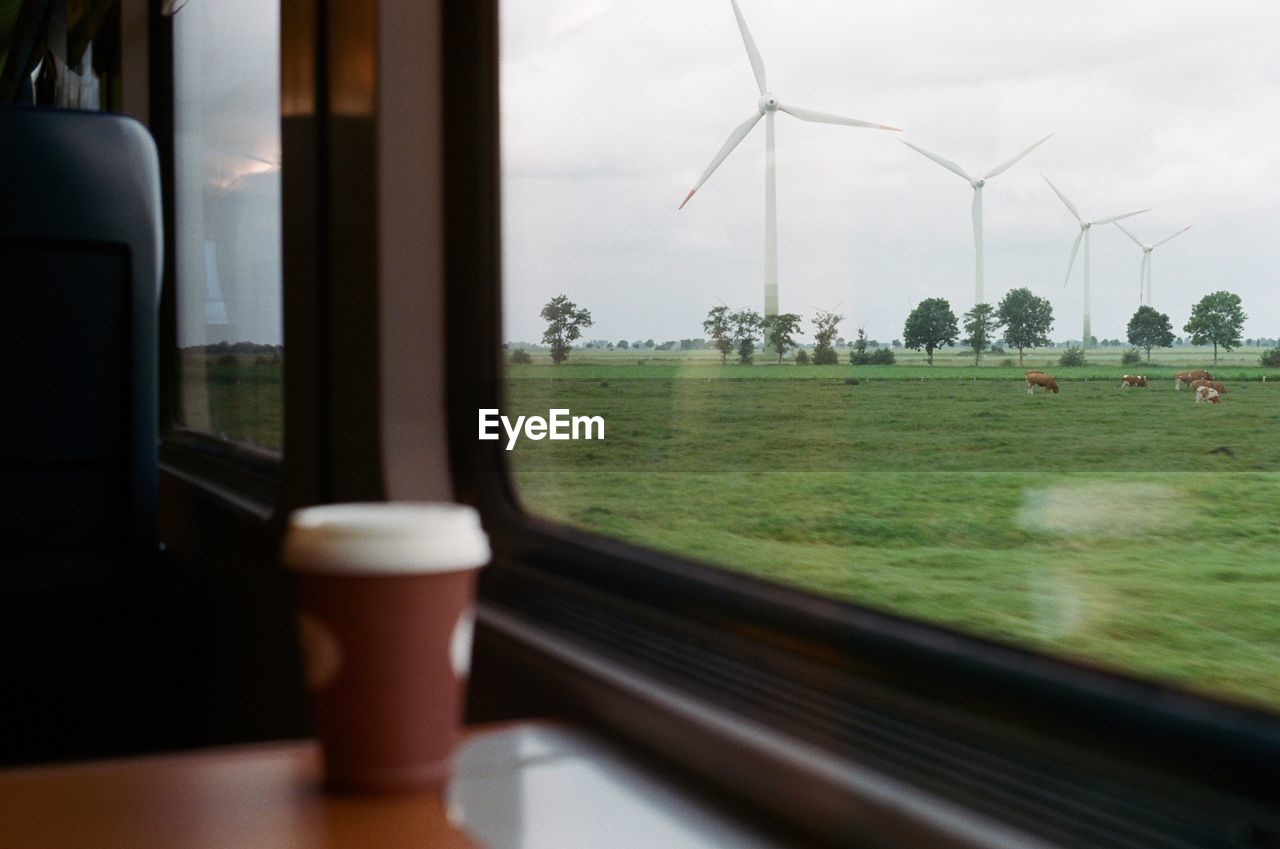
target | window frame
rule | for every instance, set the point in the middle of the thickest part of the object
(250, 473)
(1165, 735)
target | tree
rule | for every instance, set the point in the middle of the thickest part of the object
(745, 326)
(858, 356)
(931, 325)
(824, 330)
(779, 331)
(719, 328)
(1217, 319)
(981, 324)
(1150, 329)
(1072, 357)
(623, 344)
(648, 343)
(1026, 318)
(564, 324)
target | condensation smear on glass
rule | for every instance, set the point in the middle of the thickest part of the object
(228, 219)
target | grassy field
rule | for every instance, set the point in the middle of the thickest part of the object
(1130, 528)
(1183, 357)
(239, 398)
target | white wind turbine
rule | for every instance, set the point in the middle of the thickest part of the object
(977, 183)
(1085, 226)
(766, 106)
(1144, 271)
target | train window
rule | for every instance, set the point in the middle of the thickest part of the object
(1042, 470)
(227, 236)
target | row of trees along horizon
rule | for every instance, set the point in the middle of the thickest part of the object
(1022, 320)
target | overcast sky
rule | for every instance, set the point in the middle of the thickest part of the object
(611, 109)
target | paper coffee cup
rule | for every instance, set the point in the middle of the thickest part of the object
(385, 611)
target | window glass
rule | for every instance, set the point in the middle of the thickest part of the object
(227, 219)
(917, 470)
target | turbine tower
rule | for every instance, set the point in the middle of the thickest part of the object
(1085, 226)
(1144, 270)
(766, 106)
(977, 184)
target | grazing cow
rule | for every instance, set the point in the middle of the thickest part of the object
(1188, 376)
(1044, 381)
(1132, 380)
(1215, 385)
(1206, 394)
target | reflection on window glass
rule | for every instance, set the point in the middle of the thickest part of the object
(227, 221)
(940, 377)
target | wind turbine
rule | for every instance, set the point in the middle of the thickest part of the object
(977, 183)
(766, 106)
(1085, 226)
(1144, 271)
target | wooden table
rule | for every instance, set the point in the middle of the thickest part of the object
(245, 797)
(530, 785)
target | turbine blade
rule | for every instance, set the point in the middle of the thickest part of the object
(1142, 276)
(1006, 165)
(945, 163)
(1174, 236)
(1075, 247)
(753, 55)
(1071, 206)
(827, 118)
(1136, 240)
(738, 134)
(1115, 218)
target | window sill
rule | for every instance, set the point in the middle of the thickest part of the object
(243, 476)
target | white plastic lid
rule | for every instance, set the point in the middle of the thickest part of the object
(385, 538)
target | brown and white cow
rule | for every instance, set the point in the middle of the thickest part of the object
(1215, 385)
(1188, 376)
(1044, 381)
(1206, 394)
(1132, 380)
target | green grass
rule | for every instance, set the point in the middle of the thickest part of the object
(699, 370)
(1129, 528)
(1242, 364)
(238, 398)
(1184, 357)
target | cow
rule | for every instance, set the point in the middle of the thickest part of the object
(1188, 376)
(1044, 381)
(1215, 385)
(1206, 394)
(1132, 380)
